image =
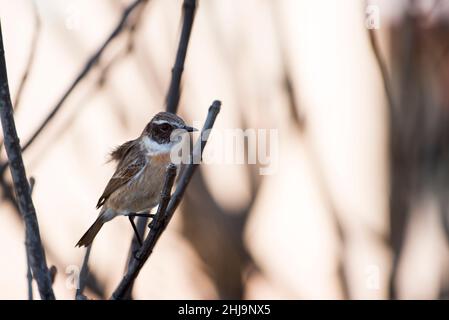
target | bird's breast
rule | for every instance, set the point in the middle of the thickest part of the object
(143, 191)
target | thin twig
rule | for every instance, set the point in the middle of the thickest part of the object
(29, 274)
(382, 68)
(83, 276)
(93, 282)
(129, 46)
(30, 60)
(166, 210)
(31, 56)
(22, 186)
(173, 94)
(91, 62)
(134, 247)
(197, 153)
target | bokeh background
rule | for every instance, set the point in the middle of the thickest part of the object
(358, 206)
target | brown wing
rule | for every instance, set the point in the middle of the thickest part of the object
(132, 162)
(122, 150)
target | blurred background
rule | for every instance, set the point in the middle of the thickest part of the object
(357, 207)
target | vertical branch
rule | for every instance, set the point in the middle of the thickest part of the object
(31, 55)
(29, 64)
(21, 185)
(134, 247)
(83, 276)
(382, 68)
(173, 94)
(409, 143)
(172, 100)
(125, 287)
(29, 274)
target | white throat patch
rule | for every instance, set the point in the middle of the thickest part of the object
(153, 148)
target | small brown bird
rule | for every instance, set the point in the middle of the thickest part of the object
(138, 179)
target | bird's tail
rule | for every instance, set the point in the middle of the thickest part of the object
(88, 237)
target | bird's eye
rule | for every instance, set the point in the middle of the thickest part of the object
(164, 127)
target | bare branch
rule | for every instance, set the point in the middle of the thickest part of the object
(197, 153)
(146, 248)
(29, 274)
(31, 55)
(382, 68)
(134, 247)
(173, 94)
(21, 185)
(91, 62)
(167, 208)
(83, 276)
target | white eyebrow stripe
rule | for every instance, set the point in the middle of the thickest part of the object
(173, 124)
(161, 122)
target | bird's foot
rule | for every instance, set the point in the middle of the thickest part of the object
(136, 232)
(145, 215)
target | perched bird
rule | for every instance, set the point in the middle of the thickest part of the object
(138, 179)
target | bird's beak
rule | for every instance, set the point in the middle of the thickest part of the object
(190, 129)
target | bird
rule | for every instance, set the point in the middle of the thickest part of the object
(137, 182)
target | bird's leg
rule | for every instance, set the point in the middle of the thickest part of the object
(145, 215)
(131, 220)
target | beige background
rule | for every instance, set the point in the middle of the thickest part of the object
(236, 55)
